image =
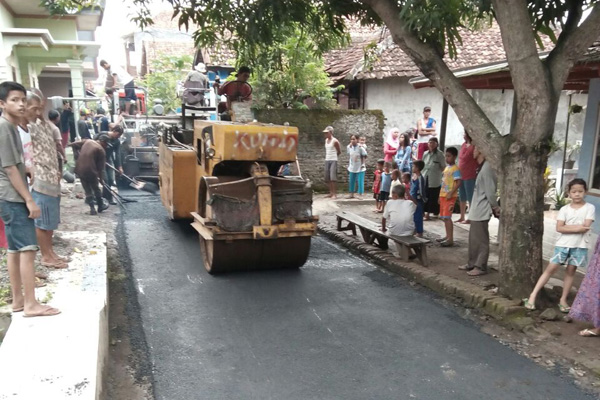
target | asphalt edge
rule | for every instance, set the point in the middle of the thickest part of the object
(143, 370)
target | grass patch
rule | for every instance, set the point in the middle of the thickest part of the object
(4, 295)
(47, 298)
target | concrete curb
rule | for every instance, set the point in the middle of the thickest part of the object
(62, 357)
(498, 307)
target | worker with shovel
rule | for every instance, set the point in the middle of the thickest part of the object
(113, 159)
(90, 168)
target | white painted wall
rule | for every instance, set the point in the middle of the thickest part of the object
(6, 20)
(402, 105)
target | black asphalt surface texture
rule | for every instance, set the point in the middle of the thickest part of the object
(338, 328)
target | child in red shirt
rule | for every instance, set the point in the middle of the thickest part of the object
(377, 185)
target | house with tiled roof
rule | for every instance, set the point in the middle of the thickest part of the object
(54, 53)
(166, 38)
(381, 81)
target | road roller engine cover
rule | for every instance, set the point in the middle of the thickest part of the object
(223, 175)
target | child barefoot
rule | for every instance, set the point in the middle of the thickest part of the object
(386, 184)
(573, 223)
(377, 184)
(451, 181)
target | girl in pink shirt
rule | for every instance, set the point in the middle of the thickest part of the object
(390, 148)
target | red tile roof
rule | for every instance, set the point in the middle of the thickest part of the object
(478, 48)
(340, 62)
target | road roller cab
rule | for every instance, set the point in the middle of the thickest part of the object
(225, 179)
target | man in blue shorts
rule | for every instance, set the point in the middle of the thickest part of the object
(46, 186)
(17, 207)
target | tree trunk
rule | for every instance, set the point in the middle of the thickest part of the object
(522, 227)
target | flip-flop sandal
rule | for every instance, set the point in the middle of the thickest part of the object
(15, 310)
(528, 305)
(564, 309)
(48, 312)
(465, 267)
(56, 265)
(588, 333)
(476, 272)
(41, 275)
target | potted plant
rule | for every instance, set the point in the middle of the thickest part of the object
(572, 154)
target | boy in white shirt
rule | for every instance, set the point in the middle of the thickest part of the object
(573, 223)
(399, 213)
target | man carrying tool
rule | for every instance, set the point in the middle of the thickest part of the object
(90, 167)
(113, 158)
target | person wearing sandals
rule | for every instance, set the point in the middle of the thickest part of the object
(573, 225)
(45, 189)
(586, 306)
(483, 206)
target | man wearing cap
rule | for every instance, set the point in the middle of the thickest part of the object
(425, 131)
(89, 167)
(195, 84)
(332, 151)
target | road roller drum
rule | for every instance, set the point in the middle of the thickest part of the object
(247, 218)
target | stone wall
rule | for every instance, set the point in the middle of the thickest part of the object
(311, 151)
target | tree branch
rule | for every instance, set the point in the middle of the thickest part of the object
(485, 135)
(571, 45)
(519, 43)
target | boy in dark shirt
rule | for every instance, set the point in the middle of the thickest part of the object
(17, 207)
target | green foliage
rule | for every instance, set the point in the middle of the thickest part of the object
(62, 7)
(560, 200)
(161, 82)
(437, 22)
(286, 73)
(5, 295)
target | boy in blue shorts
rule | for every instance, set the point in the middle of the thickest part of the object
(573, 223)
(17, 208)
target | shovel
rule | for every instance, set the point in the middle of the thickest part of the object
(139, 185)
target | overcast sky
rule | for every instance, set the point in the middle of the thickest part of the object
(116, 23)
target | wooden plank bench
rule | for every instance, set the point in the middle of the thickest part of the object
(371, 233)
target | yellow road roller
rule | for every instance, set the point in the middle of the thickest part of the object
(223, 176)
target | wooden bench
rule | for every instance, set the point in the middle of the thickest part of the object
(371, 233)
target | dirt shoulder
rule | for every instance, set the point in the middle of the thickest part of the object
(126, 376)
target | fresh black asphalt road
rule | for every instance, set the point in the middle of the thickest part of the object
(338, 328)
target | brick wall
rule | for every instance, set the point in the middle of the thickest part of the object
(311, 151)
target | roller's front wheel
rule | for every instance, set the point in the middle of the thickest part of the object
(250, 255)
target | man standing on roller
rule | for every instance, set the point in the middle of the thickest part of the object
(121, 78)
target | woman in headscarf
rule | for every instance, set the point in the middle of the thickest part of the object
(390, 148)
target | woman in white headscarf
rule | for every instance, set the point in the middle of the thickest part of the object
(390, 148)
